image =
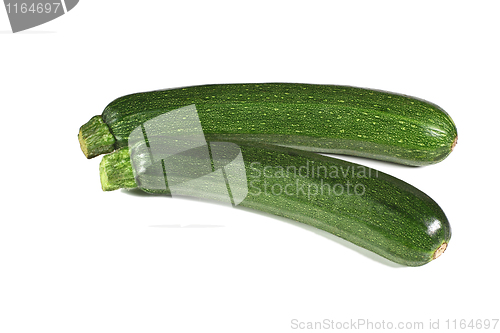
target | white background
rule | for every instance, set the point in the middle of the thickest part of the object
(76, 259)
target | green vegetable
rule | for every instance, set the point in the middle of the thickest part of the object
(366, 207)
(320, 118)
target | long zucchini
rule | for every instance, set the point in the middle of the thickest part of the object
(366, 207)
(320, 118)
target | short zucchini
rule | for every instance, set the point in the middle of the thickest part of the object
(366, 207)
(320, 118)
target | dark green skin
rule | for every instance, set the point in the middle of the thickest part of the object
(390, 217)
(320, 118)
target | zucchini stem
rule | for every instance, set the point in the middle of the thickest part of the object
(116, 171)
(95, 138)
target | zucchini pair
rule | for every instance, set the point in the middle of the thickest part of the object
(260, 141)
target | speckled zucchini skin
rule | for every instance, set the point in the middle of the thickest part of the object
(320, 118)
(383, 214)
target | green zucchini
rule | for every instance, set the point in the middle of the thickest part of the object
(320, 118)
(366, 207)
